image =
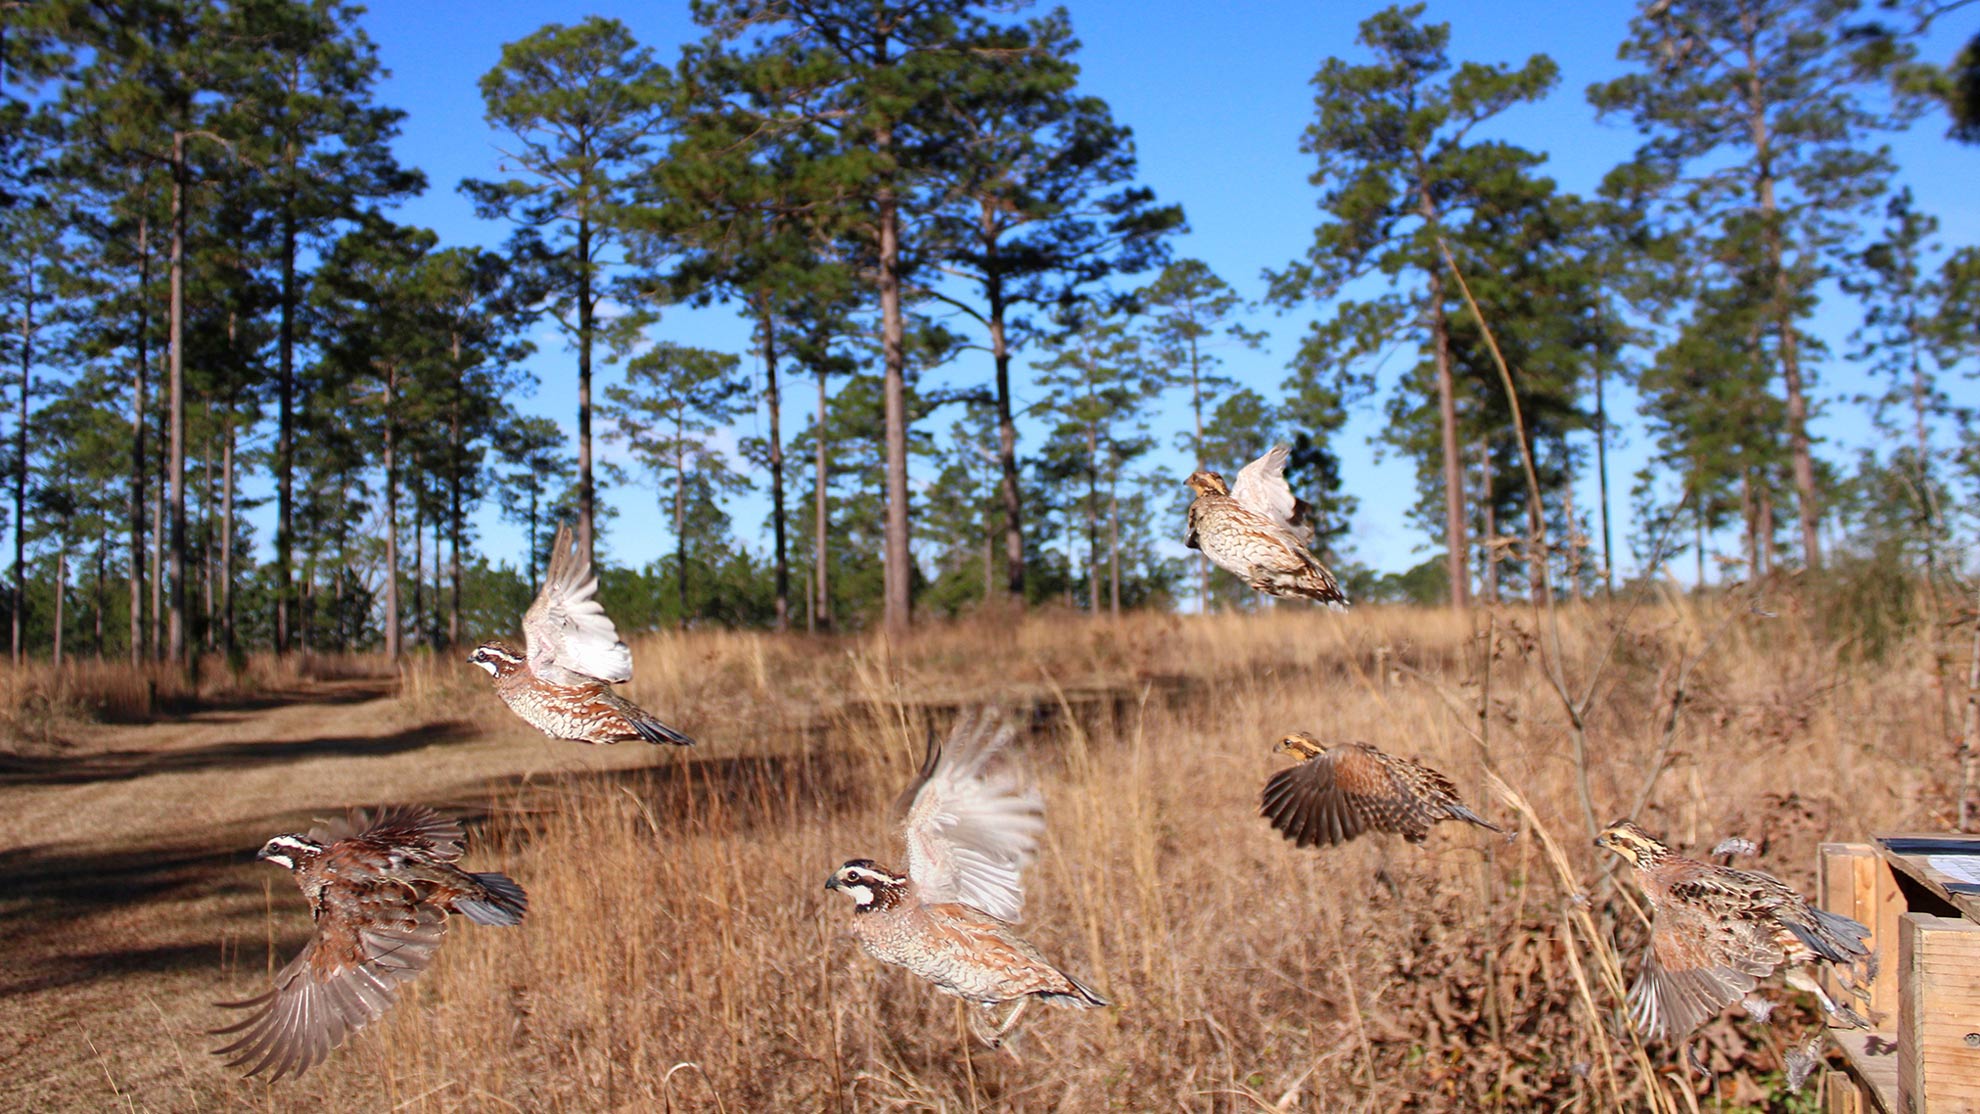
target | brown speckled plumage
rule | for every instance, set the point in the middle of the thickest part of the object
(380, 887)
(1258, 531)
(1336, 793)
(970, 829)
(1716, 932)
(960, 949)
(563, 685)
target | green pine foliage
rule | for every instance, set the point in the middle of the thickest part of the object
(242, 408)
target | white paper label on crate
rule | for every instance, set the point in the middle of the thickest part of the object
(1963, 869)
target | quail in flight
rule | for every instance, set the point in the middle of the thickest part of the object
(380, 887)
(970, 830)
(1258, 530)
(563, 686)
(1716, 931)
(1336, 793)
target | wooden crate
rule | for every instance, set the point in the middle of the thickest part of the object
(1920, 898)
(1939, 1018)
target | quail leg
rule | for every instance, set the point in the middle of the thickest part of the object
(997, 1039)
(980, 1026)
(1839, 1012)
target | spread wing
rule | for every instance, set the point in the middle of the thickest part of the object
(570, 638)
(1694, 968)
(971, 828)
(1261, 488)
(1336, 796)
(368, 942)
(397, 826)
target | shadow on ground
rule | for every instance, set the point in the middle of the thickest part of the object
(124, 764)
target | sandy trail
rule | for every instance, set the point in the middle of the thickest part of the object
(129, 898)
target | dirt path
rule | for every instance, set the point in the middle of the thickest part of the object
(129, 898)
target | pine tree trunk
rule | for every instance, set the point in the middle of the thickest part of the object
(1783, 312)
(1455, 546)
(61, 591)
(1196, 409)
(1072, 545)
(1749, 517)
(775, 401)
(177, 650)
(1698, 531)
(532, 537)
(1798, 443)
(227, 644)
(285, 444)
(1767, 529)
(892, 334)
(456, 476)
(19, 594)
(1456, 549)
(680, 513)
(391, 519)
(208, 594)
(1114, 541)
(1571, 556)
(1007, 463)
(102, 597)
(139, 419)
(306, 605)
(1969, 745)
(432, 632)
(158, 530)
(1093, 520)
(419, 564)
(820, 517)
(989, 551)
(1602, 481)
(587, 541)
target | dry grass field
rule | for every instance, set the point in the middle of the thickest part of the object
(682, 954)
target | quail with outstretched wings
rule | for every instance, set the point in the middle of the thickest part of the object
(1260, 531)
(562, 685)
(972, 825)
(1336, 793)
(380, 887)
(1716, 932)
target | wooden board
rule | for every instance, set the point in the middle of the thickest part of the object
(1946, 865)
(1841, 1094)
(1939, 1016)
(1856, 881)
(1872, 1061)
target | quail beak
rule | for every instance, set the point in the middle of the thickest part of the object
(832, 883)
(261, 855)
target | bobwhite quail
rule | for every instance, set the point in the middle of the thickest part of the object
(379, 888)
(1715, 932)
(1337, 793)
(1257, 529)
(563, 687)
(969, 831)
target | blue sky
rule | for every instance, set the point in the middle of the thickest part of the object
(1217, 95)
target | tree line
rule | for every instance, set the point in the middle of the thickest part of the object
(205, 284)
